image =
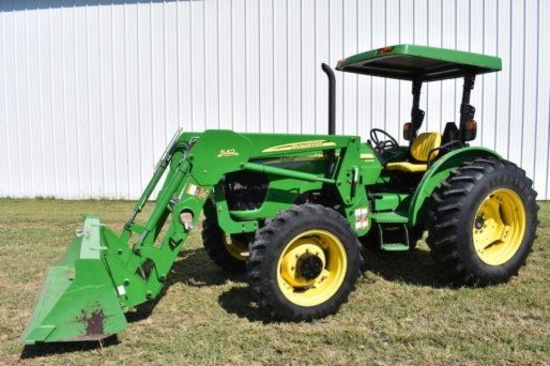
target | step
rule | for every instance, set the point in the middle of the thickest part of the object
(394, 247)
(390, 218)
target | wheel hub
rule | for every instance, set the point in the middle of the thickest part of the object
(310, 266)
(479, 222)
(499, 226)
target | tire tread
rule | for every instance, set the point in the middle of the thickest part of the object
(444, 226)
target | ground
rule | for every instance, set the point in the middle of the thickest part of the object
(401, 312)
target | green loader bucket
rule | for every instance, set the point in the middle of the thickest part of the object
(79, 301)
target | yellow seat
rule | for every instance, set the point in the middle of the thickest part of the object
(420, 150)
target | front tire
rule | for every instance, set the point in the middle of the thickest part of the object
(229, 252)
(483, 221)
(304, 263)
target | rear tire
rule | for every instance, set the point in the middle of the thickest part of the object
(304, 263)
(482, 223)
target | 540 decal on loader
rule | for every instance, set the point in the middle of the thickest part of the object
(290, 210)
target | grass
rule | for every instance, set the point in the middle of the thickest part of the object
(401, 312)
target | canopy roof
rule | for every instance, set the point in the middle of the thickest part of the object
(410, 62)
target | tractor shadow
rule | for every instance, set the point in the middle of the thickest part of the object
(414, 267)
(240, 301)
(51, 349)
(194, 268)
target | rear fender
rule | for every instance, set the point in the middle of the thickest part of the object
(438, 172)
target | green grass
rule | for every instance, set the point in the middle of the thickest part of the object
(401, 312)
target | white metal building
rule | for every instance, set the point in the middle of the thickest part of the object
(91, 91)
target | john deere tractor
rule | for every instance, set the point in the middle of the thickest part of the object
(290, 210)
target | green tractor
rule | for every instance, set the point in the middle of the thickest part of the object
(290, 210)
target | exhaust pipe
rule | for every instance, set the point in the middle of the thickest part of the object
(331, 98)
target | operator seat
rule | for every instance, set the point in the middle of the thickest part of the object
(450, 133)
(420, 151)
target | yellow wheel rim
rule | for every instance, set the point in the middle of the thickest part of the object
(499, 227)
(312, 267)
(235, 248)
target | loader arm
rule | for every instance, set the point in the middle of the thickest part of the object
(103, 274)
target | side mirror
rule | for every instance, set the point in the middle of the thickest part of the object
(470, 130)
(406, 130)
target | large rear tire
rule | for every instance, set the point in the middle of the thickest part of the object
(482, 222)
(304, 263)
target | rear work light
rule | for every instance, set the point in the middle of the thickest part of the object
(406, 130)
(470, 130)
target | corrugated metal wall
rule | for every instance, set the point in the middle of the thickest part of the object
(90, 92)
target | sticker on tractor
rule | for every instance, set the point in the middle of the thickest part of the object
(294, 159)
(362, 218)
(121, 290)
(196, 191)
(300, 145)
(227, 153)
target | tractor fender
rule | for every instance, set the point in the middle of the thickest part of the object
(438, 172)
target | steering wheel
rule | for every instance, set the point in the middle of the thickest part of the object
(384, 144)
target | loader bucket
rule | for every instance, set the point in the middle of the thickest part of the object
(78, 301)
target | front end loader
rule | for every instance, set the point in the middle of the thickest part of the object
(294, 210)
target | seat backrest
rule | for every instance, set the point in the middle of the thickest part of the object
(450, 133)
(423, 144)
